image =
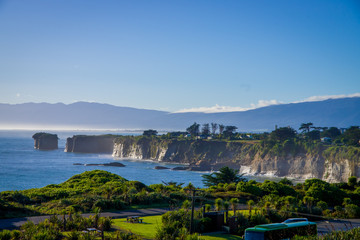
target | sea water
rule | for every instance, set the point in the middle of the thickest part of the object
(23, 167)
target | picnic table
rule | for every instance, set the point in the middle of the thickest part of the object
(134, 219)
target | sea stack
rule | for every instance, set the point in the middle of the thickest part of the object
(90, 144)
(45, 141)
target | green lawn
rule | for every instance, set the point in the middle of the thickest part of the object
(147, 229)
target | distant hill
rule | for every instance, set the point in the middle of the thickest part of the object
(343, 112)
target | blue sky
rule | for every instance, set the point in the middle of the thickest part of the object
(175, 55)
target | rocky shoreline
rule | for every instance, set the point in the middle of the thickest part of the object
(202, 155)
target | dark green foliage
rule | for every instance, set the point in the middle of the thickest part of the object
(286, 181)
(150, 132)
(205, 129)
(84, 192)
(249, 187)
(229, 131)
(313, 135)
(43, 135)
(283, 133)
(305, 127)
(352, 181)
(323, 191)
(332, 133)
(352, 211)
(270, 187)
(172, 224)
(225, 175)
(351, 136)
(194, 129)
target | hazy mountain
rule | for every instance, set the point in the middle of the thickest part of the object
(343, 112)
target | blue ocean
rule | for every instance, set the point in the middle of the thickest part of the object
(23, 167)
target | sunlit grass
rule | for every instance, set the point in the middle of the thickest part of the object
(147, 229)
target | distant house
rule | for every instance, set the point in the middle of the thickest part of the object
(326, 140)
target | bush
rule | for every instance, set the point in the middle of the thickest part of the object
(5, 235)
(352, 211)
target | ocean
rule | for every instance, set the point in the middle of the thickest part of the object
(23, 167)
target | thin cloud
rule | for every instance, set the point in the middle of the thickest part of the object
(265, 103)
(213, 109)
(262, 103)
(326, 97)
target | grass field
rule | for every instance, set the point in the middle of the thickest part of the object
(147, 229)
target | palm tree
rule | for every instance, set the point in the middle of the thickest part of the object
(97, 211)
(234, 202)
(267, 207)
(207, 207)
(218, 204)
(225, 175)
(309, 202)
(221, 128)
(71, 210)
(305, 127)
(226, 205)
(250, 204)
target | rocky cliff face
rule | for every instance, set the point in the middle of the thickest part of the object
(90, 144)
(45, 141)
(249, 158)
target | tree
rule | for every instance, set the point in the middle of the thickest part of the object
(250, 204)
(283, 133)
(214, 127)
(225, 175)
(286, 181)
(309, 202)
(221, 128)
(150, 132)
(305, 127)
(207, 207)
(219, 204)
(352, 136)
(229, 131)
(332, 132)
(186, 205)
(352, 181)
(234, 202)
(313, 135)
(205, 129)
(194, 129)
(226, 205)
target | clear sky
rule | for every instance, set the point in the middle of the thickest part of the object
(173, 55)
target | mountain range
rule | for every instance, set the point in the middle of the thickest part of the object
(342, 112)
